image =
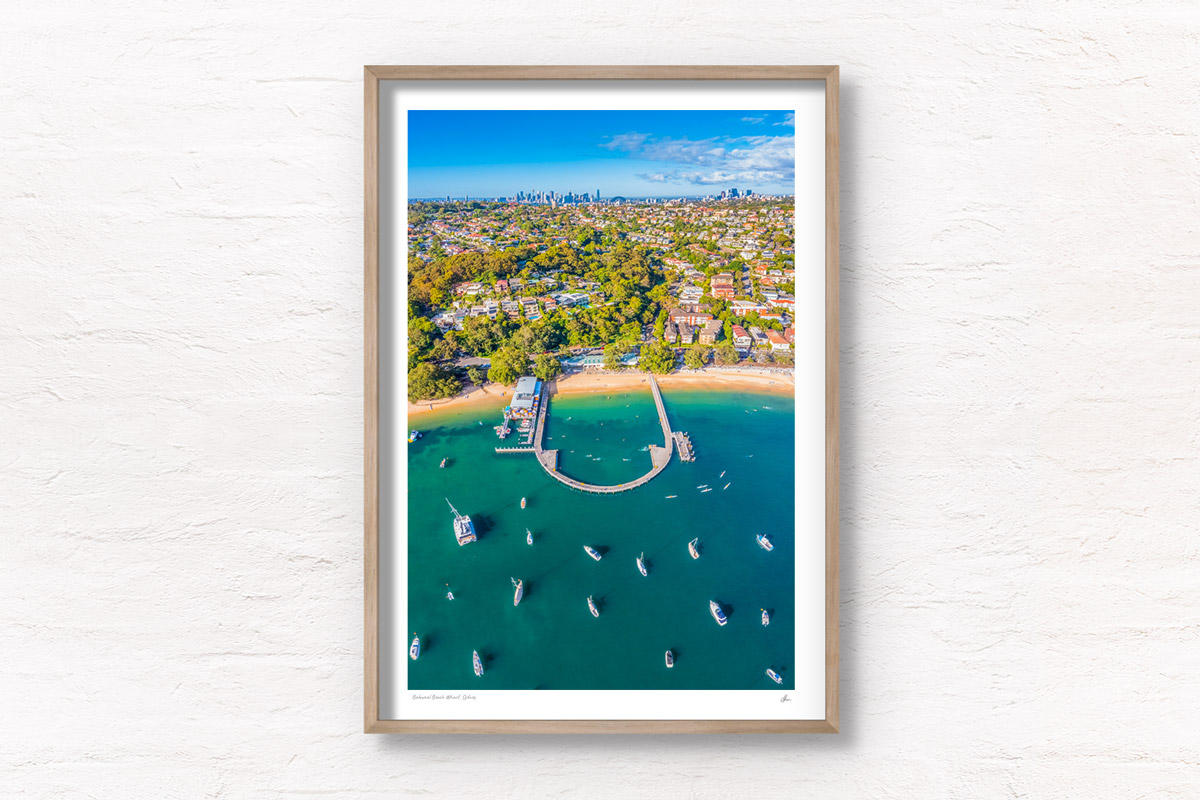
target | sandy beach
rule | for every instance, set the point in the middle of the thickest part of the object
(585, 382)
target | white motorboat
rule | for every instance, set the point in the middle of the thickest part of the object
(773, 675)
(592, 607)
(591, 552)
(518, 590)
(415, 649)
(718, 614)
(764, 542)
(766, 618)
(670, 658)
(692, 547)
(641, 562)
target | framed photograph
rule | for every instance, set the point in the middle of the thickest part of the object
(601, 390)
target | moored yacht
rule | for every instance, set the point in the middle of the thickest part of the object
(528, 536)
(718, 614)
(641, 564)
(773, 675)
(477, 663)
(764, 542)
(692, 547)
(464, 530)
(415, 649)
(518, 590)
(766, 618)
(591, 552)
(670, 658)
(592, 607)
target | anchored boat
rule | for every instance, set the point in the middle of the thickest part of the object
(518, 590)
(591, 552)
(592, 607)
(477, 663)
(464, 531)
(773, 675)
(413, 436)
(692, 547)
(443, 464)
(415, 649)
(528, 536)
(641, 564)
(764, 542)
(522, 502)
(766, 618)
(718, 614)
(670, 659)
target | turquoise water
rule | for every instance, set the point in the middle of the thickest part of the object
(551, 641)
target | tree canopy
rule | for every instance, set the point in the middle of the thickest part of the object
(429, 382)
(656, 357)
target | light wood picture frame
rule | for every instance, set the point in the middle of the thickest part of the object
(374, 341)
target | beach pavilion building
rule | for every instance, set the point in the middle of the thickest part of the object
(524, 403)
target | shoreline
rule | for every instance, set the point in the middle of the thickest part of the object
(586, 382)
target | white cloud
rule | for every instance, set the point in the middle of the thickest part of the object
(720, 160)
(754, 120)
(789, 120)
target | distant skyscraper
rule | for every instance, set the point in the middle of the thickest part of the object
(597, 195)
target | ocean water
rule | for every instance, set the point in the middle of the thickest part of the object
(551, 640)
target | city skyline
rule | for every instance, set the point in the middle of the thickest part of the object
(636, 154)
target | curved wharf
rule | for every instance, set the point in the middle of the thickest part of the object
(659, 456)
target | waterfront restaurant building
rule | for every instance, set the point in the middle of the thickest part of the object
(524, 403)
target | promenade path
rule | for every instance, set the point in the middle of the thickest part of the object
(659, 456)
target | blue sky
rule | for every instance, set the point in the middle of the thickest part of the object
(630, 153)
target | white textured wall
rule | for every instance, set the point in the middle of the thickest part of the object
(180, 400)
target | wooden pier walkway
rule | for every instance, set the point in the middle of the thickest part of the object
(659, 456)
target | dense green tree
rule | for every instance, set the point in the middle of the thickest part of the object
(656, 357)
(726, 353)
(508, 364)
(547, 367)
(785, 358)
(696, 357)
(477, 375)
(428, 382)
(612, 357)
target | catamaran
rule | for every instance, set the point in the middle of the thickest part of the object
(592, 605)
(692, 547)
(670, 658)
(773, 675)
(518, 590)
(477, 663)
(415, 650)
(717, 613)
(641, 562)
(591, 552)
(528, 536)
(766, 618)
(764, 542)
(464, 531)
